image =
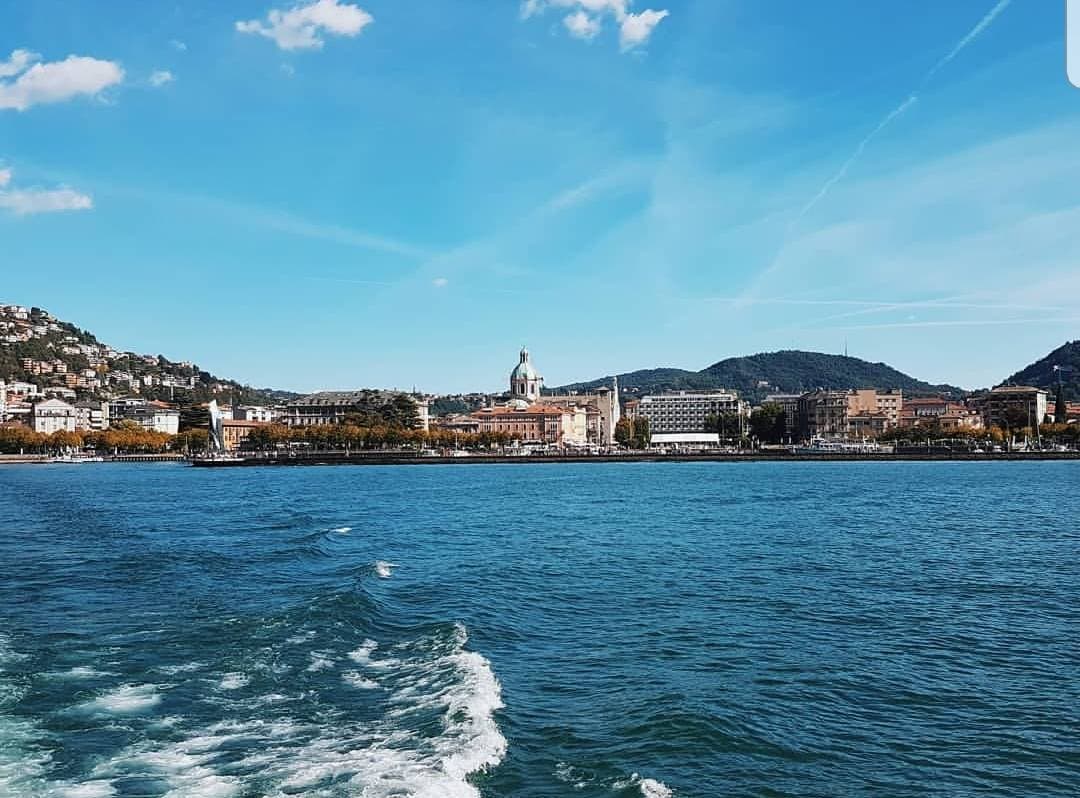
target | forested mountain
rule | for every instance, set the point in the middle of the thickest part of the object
(1042, 374)
(789, 371)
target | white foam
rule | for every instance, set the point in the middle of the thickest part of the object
(319, 662)
(342, 530)
(362, 654)
(359, 681)
(565, 772)
(187, 667)
(22, 764)
(126, 700)
(80, 672)
(384, 569)
(87, 789)
(233, 681)
(649, 788)
(303, 637)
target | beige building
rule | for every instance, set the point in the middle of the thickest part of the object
(332, 407)
(1013, 406)
(91, 416)
(941, 413)
(535, 423)
(601, 410)
(53, 415)
(862, 413)
(235, 431)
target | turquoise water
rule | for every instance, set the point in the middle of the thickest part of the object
(748, 629)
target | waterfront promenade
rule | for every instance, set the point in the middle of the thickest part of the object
(412, 458)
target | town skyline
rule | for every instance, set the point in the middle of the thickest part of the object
(376, 193)
(104, 346)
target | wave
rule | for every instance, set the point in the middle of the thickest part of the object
(127, 699)
(429, 706)
(80, 672)
(233, 681)
(384, 569)
(359, 681)
(649, 788)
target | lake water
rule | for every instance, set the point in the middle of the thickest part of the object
(597, 630)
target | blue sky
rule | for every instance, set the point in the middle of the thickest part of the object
(401, 193)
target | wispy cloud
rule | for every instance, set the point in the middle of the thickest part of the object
(1028, 321)
(37, 83)
(304, 25)
(161, 77)
(28, 201)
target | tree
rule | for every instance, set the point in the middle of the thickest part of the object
(632, 433)
(62, 440)
(728, 425)
(401, 412)
(768, 423)
(17, 439)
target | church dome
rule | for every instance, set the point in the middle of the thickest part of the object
(524, 371)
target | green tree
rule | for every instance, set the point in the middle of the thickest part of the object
(768, 423)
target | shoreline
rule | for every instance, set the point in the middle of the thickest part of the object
(340, 459)
(756, 457)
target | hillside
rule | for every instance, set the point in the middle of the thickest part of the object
(789, 371)
(1041, 373)
(37, 347)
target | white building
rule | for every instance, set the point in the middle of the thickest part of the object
(91, 416)
(153, 416)
(687, 412)
(53, 415)
(264, 415)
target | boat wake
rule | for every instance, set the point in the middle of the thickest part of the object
(305, 715)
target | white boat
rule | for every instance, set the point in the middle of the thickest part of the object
(822, 446)
(77, 458)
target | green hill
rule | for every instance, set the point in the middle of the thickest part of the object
(1041, 373)
(37, 347)
(789, 371)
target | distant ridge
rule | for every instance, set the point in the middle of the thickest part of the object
(1041, 373)
(787, 371)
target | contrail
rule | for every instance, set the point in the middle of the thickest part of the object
(984, 23)
(842, 172)
(972, 35)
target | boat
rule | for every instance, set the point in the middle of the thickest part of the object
(77, 458)
(822, 446)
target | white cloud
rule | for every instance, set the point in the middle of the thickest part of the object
(302, 27)
(178, 45)
(55, 81)
(440, 282)
(160, 77)
(581, 25)
(586, 18)
(19, 61)
(25, 201)
(635, 29)
(288, 70)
